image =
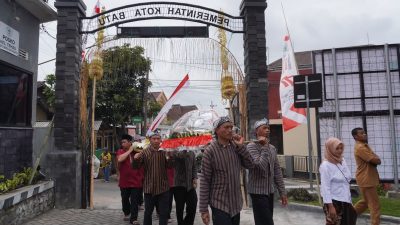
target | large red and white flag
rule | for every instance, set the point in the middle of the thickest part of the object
(291, 116)
(165, 109)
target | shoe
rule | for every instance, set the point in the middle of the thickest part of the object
(126, 218)
(135, 222)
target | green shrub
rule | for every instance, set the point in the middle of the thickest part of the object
(301, 194)
(18, 180)
(383, 188)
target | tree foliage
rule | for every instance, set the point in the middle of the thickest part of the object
(154, 108)
(119, 94)
(49, 89)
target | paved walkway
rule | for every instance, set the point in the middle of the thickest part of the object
(107, 211)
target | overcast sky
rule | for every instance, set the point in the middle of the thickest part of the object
(313, 24)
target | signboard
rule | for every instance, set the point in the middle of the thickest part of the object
(137, 119)
(162, 10)
(314, 90)
(166, 32)
(9, 39)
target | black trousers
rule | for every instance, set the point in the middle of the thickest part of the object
(170, 200)
(346, 214)
(188, 198)
(150, 202)
(220, 217)
(263, 209)
(141, 198)
(130, 202)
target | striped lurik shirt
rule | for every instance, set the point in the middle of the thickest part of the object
(220, 177)
(155, 166)
(266, 172)
(185, 169)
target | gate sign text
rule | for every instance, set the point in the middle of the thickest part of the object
(146, 11)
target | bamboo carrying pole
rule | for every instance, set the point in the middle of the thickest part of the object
(92, 145)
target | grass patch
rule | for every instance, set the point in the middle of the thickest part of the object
(389, 206)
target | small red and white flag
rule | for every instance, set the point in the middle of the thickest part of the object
(291, 116)
(168, 105)
(97, 7)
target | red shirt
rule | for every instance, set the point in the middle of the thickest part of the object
(129, 177)
(171, 174)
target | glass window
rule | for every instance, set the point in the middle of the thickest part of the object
(318, 63)
(347, 61)
(15, 96)
(349, 86)
(373, 59)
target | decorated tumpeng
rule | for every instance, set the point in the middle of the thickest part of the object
(192, 131)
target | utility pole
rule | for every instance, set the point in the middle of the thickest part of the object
(144, 104)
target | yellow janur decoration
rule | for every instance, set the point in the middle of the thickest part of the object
(228, 89)
(96, 65)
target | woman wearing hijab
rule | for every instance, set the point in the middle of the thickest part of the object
(335, 185)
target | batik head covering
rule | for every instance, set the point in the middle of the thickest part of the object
(220, 121)
(330, 146)
(259, 123)
(153, 133)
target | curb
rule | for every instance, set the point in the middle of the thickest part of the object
(15, 196)
(318, 209)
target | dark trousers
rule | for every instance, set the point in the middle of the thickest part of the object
(170, 200)
(130, 201)
(150, 202)
(263, 209)
(141, 198)
(182, 197)
(220, 217)
(346, 214)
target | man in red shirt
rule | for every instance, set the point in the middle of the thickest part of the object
(130, 180)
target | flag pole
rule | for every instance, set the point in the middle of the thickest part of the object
(287, 31)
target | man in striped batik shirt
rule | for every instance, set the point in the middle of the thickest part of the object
(220, 177)
(264, 175)
(155, 185)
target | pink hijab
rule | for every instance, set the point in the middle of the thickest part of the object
(330, 146)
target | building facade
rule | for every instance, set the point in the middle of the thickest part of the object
(362, 89)
(19, 46)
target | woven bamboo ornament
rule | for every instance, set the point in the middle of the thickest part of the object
(228, 89)
(96, 67)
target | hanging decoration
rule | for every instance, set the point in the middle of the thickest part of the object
(228, 89)
(96, 64)
(217, 63)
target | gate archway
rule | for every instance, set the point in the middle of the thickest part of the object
(162, 10)
(65, 161)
